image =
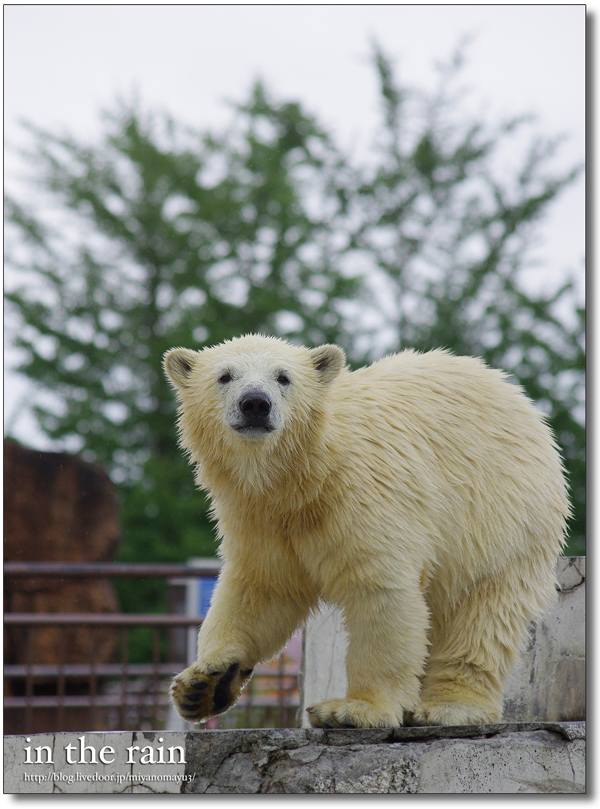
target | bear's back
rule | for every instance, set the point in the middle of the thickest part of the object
(440, 396)
(454, 443)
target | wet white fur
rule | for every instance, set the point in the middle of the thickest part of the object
(423, 495)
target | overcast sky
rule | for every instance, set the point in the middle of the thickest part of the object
(63, 64)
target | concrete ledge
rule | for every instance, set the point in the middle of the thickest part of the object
(542, 757)
(118, 762)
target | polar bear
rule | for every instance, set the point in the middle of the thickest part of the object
(423, 495)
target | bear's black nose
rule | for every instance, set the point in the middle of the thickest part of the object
(256, 406)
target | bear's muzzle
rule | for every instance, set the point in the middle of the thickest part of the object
(255, 409)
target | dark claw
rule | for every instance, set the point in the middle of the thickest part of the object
(222, 698)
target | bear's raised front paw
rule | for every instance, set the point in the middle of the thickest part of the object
(350, 713)
(199, 694)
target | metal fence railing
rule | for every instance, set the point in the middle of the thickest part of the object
(120, 694)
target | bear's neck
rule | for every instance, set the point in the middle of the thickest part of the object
(282, 477)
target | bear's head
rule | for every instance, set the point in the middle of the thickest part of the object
(249, 394)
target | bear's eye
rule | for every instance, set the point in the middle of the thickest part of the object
(225, 378)
(283, 379)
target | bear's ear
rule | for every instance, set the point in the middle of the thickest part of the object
(178, 364)
(328, 360)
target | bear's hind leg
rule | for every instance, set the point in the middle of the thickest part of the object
(456, 692)
(474, 647)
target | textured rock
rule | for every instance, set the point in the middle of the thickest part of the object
(57, 508)
(504, 758)
(541, 757)
(114, 763)
(548, 683)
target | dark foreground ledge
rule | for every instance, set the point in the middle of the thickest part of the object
(539, 757)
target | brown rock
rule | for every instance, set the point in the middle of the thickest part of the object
(57, 508)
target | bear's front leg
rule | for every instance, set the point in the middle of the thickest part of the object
(387, 646)
(250, 619)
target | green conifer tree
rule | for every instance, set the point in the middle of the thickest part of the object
(159, 236)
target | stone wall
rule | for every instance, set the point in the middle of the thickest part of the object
(505, 758)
